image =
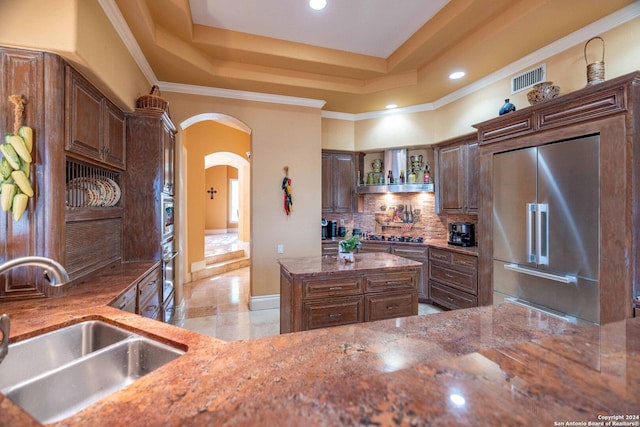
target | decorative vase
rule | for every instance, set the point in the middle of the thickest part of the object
(543, 92)
(346, 257)
(507, 107)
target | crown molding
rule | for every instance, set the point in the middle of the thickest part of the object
(600, 26)
(241, 95)
(609, 22)
(120, 25)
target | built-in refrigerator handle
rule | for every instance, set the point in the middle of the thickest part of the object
(542, 235)
(531, 223)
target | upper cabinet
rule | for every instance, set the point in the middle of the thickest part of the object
(94, 126)
(338, 182)
(457, 175)
(148, 184)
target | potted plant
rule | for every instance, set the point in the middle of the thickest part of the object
(346, 248)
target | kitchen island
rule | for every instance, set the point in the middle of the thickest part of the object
(317, 292)
(485, 366)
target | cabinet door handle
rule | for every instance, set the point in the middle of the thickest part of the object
(450, 299)
(450, 276)
(335, 315)
(396, 283)
(392, 307)
(335, 288)
(123, 305)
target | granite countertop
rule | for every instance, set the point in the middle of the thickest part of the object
(485, 366)
(429, 242)
(327, 264)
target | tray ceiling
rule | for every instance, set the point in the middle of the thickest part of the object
(357, 55)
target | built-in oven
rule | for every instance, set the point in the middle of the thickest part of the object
(167, 217)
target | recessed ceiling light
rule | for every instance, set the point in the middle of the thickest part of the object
(317, 4)
(457, 75)
(391, 106)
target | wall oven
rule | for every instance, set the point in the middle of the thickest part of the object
(167, 217)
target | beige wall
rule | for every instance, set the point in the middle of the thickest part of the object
(199, 140)
(567, 70)
(280, 136)
(79, 31)
(217, 209)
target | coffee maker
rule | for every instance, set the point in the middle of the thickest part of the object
(462, 234)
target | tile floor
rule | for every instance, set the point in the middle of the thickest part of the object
(218, 306)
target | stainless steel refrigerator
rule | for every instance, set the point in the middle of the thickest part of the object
(546, 228)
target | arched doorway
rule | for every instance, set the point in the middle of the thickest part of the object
(209, 140)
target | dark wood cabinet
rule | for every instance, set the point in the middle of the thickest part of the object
(23, 73)
(114, 151)
(610, 110)
(95, 127)
(65, 111)
(319, 300)
(457, 175)
(453, 279)
(420, 254)
(338, 182)
(150, 137)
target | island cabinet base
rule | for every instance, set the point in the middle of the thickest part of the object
(319, 299)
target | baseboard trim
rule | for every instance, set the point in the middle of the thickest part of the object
(198, 265)
(264, 302)
(211, 232)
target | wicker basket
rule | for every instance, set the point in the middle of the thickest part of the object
(153, 101)
(595, 70)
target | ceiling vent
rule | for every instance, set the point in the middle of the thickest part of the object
(528, 78)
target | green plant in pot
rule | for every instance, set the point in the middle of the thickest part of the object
(346, 248)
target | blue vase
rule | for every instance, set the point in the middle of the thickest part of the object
(507, 107)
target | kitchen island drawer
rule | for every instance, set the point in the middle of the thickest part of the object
(451, 298)
(329, 287)
(388, 306)
(325, 313)
(391, 282)
(457, 279)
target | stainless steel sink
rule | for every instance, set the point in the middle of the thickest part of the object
(69, 369)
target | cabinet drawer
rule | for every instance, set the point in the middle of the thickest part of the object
(451, 298)
(373, 247)
(330, 248)
(440, 255)
(391, 282)
(458, 279)
(149, 287)
(314, 288)
(464, 261)
(127, 301)
(388, 306)
(340, 311)
(416, 254)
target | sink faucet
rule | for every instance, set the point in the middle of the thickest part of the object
(58, 272)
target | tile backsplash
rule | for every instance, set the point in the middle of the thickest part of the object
(375, 211)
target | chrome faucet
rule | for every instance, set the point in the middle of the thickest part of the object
(58, 272)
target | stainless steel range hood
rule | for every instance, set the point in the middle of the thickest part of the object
(396, 188)
(395, 161)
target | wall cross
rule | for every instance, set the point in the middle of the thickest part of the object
(211, 191)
